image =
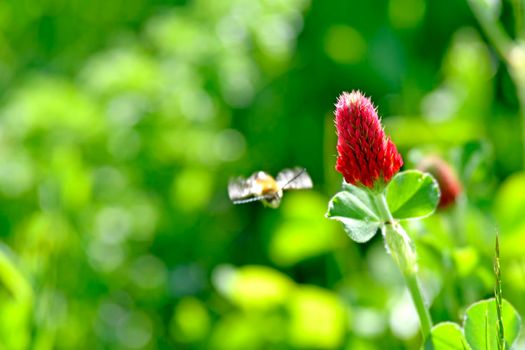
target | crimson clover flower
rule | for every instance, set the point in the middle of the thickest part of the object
(447, 179)
(366, 156)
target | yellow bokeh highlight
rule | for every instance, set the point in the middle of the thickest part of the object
(191, 321)
(318, 319)
(260, 287)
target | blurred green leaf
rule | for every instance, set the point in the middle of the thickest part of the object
(257, 287)
(446, 336)
(481, 325)
(414, 131)
(318, 318)
(412, 194)
(302, 232)
(122, 70)
(121, 121)
(190, 321)
(16, 303)
(466, 259)
(12, 278)
(509, 206)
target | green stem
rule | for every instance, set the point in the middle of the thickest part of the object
(498, 297)
(382, 207)
(449, 285)
(403, 253)
(518, 18)
(417, 298)
(493, 30)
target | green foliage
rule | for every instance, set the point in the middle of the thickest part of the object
(355, 208)
(480, 330)
(509, 210)
(121, 122)
(481, 322)
(412, 194)
(302, 232)
(16, 303)
(446, 336)
(270, 298)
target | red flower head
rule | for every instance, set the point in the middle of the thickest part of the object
(447, 179)
(365, 153)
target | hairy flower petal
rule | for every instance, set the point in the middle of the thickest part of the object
(365, 153)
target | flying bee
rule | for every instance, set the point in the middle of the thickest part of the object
(261, 186)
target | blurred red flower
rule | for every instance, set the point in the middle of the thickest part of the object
(447, 179)
(365, 153)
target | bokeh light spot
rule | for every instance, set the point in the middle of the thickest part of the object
(190, 321)
(344, 44)
(406, 13)
(192, 189)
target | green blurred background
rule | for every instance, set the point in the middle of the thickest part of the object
(122, 121)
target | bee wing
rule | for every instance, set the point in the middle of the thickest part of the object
(296, 179)
(239, 189)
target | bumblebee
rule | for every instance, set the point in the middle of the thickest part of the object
(261, 186)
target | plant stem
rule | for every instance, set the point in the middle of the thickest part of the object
(517, 8)
(382, 207)
(422, 311)
(403, 253)
(498, 297)
(493, 30)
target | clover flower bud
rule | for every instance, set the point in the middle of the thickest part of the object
(446, 177)
(366, 156)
